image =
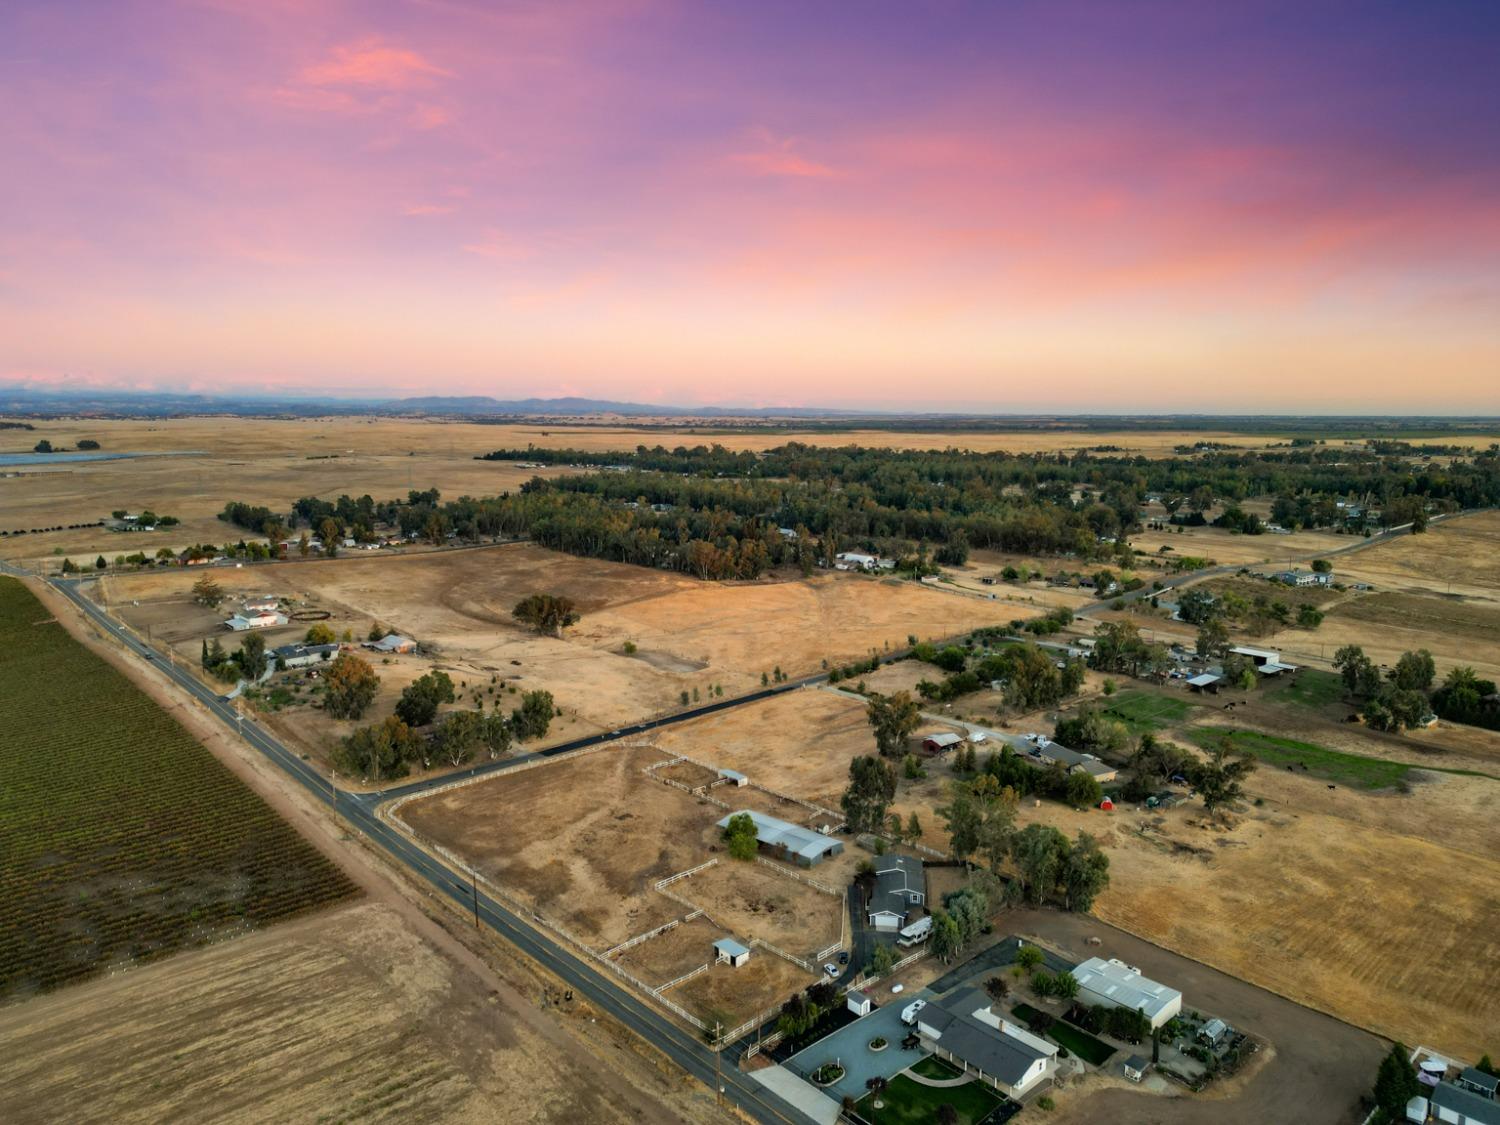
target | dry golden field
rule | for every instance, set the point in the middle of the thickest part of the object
(257, 461)
(690, 636)
(348, 1015)
(597, 835)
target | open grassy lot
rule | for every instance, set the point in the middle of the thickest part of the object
(1289, 753)
(1459, 556)
(668, 956)
(121, 838)
(905, 1102)
(1310, 688)
(1143, 711)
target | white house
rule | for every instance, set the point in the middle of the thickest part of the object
(1458, 1106)
(260, 619)
(1118, 985)
(964, 1029)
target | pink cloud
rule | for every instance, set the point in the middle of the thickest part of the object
(372, 63)
(777, 156)
(426, 209)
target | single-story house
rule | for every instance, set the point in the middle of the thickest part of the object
(900, 884)
(965, 1029)
(392, 642)
(1118, 985)
(944, 740)
(1135, 1067)
(787, 841)
(853, 560)
(1458, 1106)
(300, 656)
(1071, 760)
(859, 1002)
(1303, 577)
(266, 603)
(261, 619)
(1206, 682)
(728, 951)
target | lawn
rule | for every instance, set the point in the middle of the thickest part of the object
(930, 1066)
(121, 838)
(1331, 765)
(905, 1102)
(1143, 711)
(1075, 1039)
(1310, 688)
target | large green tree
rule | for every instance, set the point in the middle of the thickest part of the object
(894, 719)
(546, 613)
(740, 837)
(1396, 1083)
(349, 686)
(533, 718)
(1039, 851)
(1085, 873)
(420, 699)
(872, 786)
(1218, 779)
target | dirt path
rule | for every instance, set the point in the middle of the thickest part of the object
(600, 1064)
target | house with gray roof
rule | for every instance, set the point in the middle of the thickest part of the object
(1458, 1106)
(964, 1028)
(900, 884)
(787, 841)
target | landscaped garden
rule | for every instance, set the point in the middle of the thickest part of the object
(907, 1102)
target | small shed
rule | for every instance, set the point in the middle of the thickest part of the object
(735, 777)
(1205, 682)
(1213, 1031)
(1135, 1067)
(731, 951)
(859, 1002)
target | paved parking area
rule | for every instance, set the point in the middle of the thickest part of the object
(849, 1046)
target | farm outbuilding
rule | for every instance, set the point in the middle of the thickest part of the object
(937, 743)
(392, 642)
(788, 841)
(730, 952)
(1118, 985)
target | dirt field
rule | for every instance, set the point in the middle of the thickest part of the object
(1456, 630)
(731, 996)
(596, 834)
(668, 956)
(344, 1016)
(1231, 549)
(750, 898)
(799, 743)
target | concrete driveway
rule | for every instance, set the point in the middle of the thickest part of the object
(850, 1046)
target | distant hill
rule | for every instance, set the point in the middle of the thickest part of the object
(17, 400)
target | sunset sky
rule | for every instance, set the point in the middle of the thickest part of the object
(1005, 205)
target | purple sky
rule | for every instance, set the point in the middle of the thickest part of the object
(1000, 205)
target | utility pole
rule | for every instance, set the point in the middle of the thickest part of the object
(474, 883)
